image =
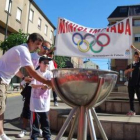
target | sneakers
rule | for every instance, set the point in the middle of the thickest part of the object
(4, 137)
(131, 113)
(55, 104)
(40, 133)
(22, 134)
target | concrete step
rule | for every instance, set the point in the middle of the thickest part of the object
(118, 95)
(117, 127)
(116, 106)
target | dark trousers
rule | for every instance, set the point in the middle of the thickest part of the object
(26, 106)
(37, 119)
(54, 96)
(132, 90)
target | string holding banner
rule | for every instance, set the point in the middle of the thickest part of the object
(112, 42)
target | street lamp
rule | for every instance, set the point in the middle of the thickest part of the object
(29, 14)
(6, 29)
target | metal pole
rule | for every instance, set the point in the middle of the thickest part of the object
(74, 124)
(91, 125)
(6, 29)
(65, 125)
(82, 125)
(99, 124)
(29, 15)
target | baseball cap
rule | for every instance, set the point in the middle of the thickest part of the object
(45, 59)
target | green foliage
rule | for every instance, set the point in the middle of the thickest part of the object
(13, 40)
(61, 61)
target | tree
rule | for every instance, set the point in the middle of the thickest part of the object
(13, 40)
(61, 61)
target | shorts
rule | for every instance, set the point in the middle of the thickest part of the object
(3, 97)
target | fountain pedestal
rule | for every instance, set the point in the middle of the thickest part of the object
(83, 90)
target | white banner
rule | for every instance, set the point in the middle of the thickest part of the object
(112, 42)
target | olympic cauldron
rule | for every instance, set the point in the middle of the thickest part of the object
(83, 90)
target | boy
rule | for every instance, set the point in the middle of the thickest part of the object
(40, 102)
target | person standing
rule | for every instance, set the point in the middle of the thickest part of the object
(133, 73)
(40, 103)
(10, 64)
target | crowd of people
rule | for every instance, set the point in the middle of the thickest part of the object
(36, 84)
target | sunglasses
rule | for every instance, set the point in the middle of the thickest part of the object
(45, 48)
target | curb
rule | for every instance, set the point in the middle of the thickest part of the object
(13, 94)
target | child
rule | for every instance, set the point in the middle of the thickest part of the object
(40, 102)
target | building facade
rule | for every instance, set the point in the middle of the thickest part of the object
(77, 62)
(38, 22)
(119, 14)
(90, 65)
(27, 16)
(24, 15)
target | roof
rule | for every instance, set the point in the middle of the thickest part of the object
(41, 12)
(126, 11)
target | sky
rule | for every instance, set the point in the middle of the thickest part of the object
(89, 13)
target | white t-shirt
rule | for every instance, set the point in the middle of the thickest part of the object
(15, 58)
(35, 59)
(40, 98)
(51, 65)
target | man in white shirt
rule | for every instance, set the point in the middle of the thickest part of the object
(10, 64)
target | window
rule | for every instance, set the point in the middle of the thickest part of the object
(136, 22)
(137, 10)
(137, 37)
(8, 5)
(31, 15)
(123, 10)
(19, 12)
(39, 23)
(121, 75)
(51, 35)
(46, 29)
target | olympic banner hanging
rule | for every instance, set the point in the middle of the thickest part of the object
(111, 42)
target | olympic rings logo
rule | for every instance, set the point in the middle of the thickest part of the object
(92, 43)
